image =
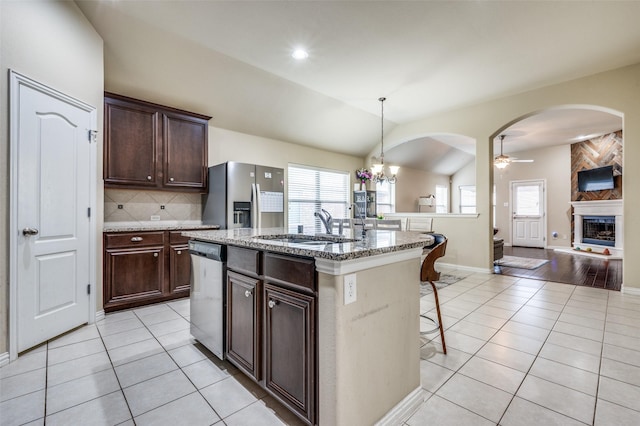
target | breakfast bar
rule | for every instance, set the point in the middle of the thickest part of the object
(353, 331)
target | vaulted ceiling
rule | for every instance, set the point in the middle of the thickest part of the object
(424, 56)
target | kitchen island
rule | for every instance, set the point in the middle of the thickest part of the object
(360, 348)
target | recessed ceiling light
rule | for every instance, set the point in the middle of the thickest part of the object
(300, 54)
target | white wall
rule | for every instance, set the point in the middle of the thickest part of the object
(53, 43)
(413, 183)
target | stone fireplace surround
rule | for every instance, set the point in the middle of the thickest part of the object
(598, 208)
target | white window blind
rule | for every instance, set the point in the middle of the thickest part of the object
(442, 199)
(311, 189)
(467, 199)
(385, 198)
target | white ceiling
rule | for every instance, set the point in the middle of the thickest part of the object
(424, 56)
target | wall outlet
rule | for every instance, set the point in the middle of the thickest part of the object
(155, 217)
(349, 288)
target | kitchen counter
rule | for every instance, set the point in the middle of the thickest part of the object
(370, 341)
(154, 226)
(347, 248)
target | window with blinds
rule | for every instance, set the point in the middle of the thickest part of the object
(311, 189)
(442, 199)
(467, 199)
(385, 198)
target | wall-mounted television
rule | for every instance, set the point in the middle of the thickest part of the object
(596, 179)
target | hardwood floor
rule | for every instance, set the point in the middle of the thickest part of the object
(566, 268)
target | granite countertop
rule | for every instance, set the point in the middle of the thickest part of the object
(341, 248)
(154, 226)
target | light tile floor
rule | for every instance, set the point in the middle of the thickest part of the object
(520, 352)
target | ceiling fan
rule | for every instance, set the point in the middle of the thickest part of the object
(501, 161)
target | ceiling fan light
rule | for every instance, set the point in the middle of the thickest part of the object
(500, 165)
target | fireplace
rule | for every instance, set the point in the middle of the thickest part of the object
(598, 224)
(599, 230)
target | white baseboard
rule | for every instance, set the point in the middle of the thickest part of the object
(99, 315)
(465, 268)
(634, 291)
(4, 358)
(404, 409)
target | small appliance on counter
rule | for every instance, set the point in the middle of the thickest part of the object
(244, 196)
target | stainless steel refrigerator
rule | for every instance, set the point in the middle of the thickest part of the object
(244, 196)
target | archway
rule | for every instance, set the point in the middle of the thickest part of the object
(555, 139)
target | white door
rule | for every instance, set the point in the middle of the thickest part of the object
(51, 164)
(527, 199)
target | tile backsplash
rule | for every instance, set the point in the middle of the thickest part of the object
(128, 205)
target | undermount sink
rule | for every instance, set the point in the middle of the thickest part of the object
(307, 239)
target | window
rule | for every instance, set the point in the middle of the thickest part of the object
(442, 199)
(493, 204)
(311, 189)
(385, 198)
(467, 199)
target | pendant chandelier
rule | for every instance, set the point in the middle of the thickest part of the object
(378, 170)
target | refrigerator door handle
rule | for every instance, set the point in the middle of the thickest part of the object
(258, 206)
(254, 202)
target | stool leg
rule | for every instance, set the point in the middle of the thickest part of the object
(435, 293)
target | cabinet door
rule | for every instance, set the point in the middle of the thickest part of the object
(243, 323)
(132, 276)
(290, 347)
(180, 269)
(130, 144)
(185, 151)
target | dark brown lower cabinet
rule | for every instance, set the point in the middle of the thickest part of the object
(144, 267)
(289, 348)
(271, 325)
(133, 275)
(180, 269)
(243, 323)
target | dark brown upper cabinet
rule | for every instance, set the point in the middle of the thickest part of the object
(150, 146)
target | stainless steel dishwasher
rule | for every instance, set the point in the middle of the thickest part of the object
(208, 276)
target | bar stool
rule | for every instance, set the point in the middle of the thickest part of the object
(428, 273)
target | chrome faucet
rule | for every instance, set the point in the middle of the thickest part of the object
(360, 214)
(326, 219)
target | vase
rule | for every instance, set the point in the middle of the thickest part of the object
(363, 186)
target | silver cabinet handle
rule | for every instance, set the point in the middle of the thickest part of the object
(136, 239)
(29, 231)
(179, 251)
(155, 254)
(272, 303)
(171, 179)
(149, 177)
(247, 293)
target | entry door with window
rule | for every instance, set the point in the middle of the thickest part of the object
(528, 213)
(52, 171)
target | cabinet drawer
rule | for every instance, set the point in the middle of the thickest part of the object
(176, 237)
(290, 270)
(245, 260)
(133, 239)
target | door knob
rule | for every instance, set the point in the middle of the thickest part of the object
(247, 293)
(272, 303)
(29, 231)
(149, 177)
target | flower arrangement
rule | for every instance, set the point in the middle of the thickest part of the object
(363, 175)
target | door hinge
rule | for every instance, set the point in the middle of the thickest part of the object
(88, 211)
(91, 135)
(88, 288)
